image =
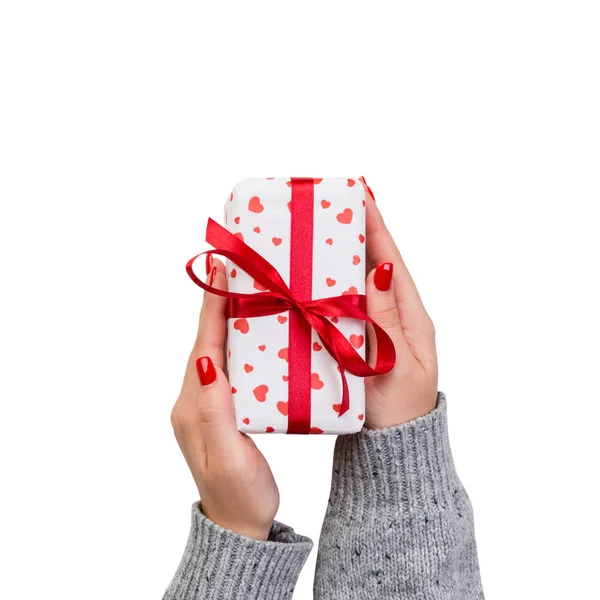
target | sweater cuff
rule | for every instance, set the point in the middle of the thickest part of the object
(219, 563)
(404, 469)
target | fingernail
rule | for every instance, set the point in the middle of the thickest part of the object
(213, 274)
(209, 261)
(383, 276)
(206, 370)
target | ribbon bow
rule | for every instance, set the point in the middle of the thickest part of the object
(279, 299)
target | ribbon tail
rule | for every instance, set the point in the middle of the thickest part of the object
(345, 407)
(345, 404)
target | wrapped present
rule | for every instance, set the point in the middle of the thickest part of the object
(296, 337)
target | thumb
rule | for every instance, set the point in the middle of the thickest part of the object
(382, 308)
(215, 411)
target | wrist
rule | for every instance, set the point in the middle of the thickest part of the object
(258, 532)
(383, 413)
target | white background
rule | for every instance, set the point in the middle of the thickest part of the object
(124, 124)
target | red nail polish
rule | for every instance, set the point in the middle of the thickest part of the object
(209, 261)
(383, 276)
(213, 274)
(206, 370)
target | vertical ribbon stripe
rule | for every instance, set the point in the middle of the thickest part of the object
(299, 342)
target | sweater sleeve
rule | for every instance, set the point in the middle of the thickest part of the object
(399, 523)
(221, 564)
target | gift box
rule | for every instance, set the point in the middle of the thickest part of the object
(296, 339)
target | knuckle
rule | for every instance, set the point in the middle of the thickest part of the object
(429, 327)
(178, 420)
(182, 419)
(210, 417)
(204, 345)
(387, 317)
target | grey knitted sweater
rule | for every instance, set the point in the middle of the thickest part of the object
(399, 526)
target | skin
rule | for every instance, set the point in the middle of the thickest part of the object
(234, 480)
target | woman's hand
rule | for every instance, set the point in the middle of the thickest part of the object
(410, 389)
(235, 482)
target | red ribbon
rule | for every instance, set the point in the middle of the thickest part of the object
(299, 336)
(305, 313)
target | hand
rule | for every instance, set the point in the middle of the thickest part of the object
(410, 389)
(235, 482)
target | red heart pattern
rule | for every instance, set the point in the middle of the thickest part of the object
(254, 205)
(357, 340)
(345, 216)
(339, 218)
(241, 325)
(315, 382)
(260, 392)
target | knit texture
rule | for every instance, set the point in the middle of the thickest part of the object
(399, 524)
(220, 564)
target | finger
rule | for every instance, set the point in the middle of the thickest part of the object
(381, 247)
(215, 412)
(212, 326)
(210, 338)
(382, 308)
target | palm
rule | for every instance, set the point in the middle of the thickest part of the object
(260, 477)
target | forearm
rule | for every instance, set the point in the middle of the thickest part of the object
(399, 523)
(220, 564)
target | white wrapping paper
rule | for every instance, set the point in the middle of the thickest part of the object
(258, 210)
